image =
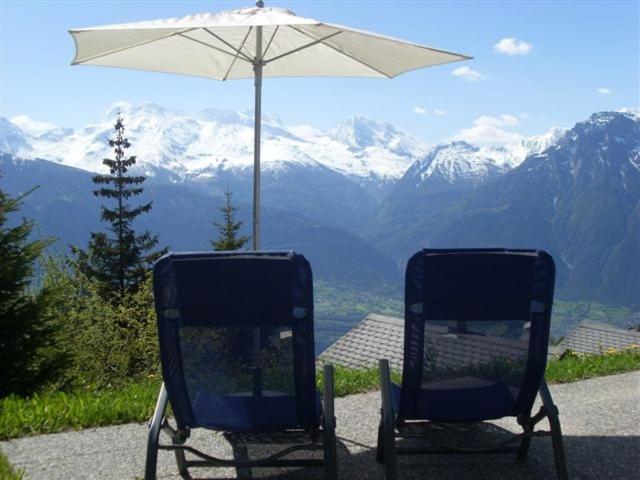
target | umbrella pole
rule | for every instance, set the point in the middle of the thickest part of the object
(257, 68)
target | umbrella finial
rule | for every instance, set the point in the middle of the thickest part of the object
(259, 4)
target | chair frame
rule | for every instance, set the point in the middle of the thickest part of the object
(391, 428)
(159, 423)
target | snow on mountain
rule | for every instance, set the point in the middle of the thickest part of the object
(12, 138)
(459, 161)
(40, 130)
(198, 145)
(362, 147)
(184, 145)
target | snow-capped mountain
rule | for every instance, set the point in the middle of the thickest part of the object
(459, 162)
(188, 146)
(576, 194)
(12, 139)
(336, 176)
(183, 146)
(578, 199)
(364, 148)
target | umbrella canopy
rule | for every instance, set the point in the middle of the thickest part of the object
(252, 43)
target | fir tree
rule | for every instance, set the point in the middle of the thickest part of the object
(120, 261)
(28, 356)
(229, 229)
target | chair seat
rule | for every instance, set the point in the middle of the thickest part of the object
(245, 413)
(474, 404)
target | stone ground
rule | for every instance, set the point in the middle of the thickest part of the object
(600, 420)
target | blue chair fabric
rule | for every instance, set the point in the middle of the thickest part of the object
(237, 340)
(499, 296)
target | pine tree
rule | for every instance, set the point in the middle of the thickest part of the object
(229, 239)
(119, 262)
(28, 356)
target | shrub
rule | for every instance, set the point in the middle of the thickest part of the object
(108, 344)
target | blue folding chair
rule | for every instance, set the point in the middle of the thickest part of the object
(237, 350)
(475, 349)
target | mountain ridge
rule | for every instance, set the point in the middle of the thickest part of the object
(579, 199)
(187, 145)
(575, 192)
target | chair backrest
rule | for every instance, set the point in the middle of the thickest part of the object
(476, 319)
(236, 337)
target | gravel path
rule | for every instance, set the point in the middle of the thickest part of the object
(600, 420)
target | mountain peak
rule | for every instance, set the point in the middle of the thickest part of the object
(13, 138)
(360, 132)
(607, 117)
(43, 131)
(616, 127)
(128, 109)
(187, 146)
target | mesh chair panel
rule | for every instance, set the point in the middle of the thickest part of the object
(222, 361)
(476, 333)
(236, 340)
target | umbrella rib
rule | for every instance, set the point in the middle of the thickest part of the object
(207, 45)
(270, 40)
(343, 53)
(310, 44)
(128, 47)
(245, 56)
(233, 62)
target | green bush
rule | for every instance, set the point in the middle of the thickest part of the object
(107, 344)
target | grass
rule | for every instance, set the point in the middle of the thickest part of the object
(8, 473)
(58, 411)
(572, 367)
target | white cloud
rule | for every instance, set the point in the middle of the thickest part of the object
(488, 130)
(468, 74)
(437, 111)
(419, 110)
(33, 127)
(512, 46)
(501, 121)
(633, 110)
(523, 116)
(604, 91)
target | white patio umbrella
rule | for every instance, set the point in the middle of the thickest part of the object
(252, 43)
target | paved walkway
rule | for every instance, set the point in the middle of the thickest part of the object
(600, 419)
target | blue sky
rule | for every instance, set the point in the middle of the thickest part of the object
(574, 58)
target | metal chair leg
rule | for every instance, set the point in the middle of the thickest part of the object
(527, 424)
(556, 431)
(380, 446)
(329, 427)
(388, 420)
(155, 426)
(523, 450)
(182, 465)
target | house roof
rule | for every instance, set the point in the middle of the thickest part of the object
(378, 337)
(590, 337)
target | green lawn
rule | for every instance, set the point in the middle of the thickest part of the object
(58, 411)
(6, 472)
(573, 367)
